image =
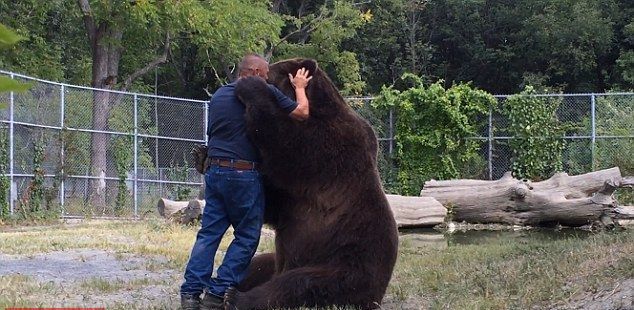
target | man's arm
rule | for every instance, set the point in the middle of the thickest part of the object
(300, 81)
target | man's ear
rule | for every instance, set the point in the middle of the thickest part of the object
(310, 65)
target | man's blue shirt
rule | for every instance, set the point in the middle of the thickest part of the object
(226, 126)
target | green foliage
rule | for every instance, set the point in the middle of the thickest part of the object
(123, 156)
(319, 34)
(5, 184)
(36, 188)
(432, 127)
(537, 141)
(52, 34)
(615, 117)
(573, 44)
(179, 172)
(7, 39)
(121, 120)
(625, 62)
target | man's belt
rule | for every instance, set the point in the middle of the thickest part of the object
(233, 163)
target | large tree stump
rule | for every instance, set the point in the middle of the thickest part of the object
(562, 199)
(183, 212)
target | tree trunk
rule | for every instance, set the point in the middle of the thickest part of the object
(562, 199)
(105, 37)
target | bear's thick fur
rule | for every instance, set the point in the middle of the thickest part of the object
(336, 239)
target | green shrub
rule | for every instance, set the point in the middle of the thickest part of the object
(433, 125)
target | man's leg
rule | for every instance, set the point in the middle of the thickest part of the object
(245, 209)
(214, 224)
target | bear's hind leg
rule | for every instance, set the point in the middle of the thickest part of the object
(260, 270)
(316, 286)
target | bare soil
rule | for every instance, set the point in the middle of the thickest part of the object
(75, 273)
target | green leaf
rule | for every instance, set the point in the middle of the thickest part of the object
(8, 37)
(8, 84)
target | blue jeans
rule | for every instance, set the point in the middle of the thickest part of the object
(233, 197)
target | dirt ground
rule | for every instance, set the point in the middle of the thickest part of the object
(77, 275)
(617, 297)
(158, 286)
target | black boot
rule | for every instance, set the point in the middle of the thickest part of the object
(230, 298)
(211, 302)
(190, 302)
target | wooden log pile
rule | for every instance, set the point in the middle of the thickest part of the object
(560, 200)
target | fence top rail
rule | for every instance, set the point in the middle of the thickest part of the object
(98, 89)
(533, 95)
(346, 98)
(569, 95)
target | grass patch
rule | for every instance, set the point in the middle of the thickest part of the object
(512, 273)
(99, 285)
(500, 271)
(15, 290)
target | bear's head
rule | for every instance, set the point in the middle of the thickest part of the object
(322, 94)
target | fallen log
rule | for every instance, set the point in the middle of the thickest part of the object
(416, 211)
(625, 215)
(562, 199)
(183, 212)
(408, 211)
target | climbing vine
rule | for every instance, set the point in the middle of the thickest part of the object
(537, 141)
(4, 170)
(36, 188)
(123, 156)
(179, 172)
(432, 127)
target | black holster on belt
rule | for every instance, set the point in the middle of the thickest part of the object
(199, 156)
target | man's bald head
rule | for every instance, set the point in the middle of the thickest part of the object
(253, 64)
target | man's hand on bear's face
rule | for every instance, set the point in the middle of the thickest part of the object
(301, 78)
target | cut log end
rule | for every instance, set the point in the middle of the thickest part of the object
(183, 212)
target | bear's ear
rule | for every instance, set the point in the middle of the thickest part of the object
(310, 65)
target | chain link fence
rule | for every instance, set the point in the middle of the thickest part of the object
(50, 131)
(599, 134)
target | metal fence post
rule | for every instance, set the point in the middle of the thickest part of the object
(13, 188)
(61, 152)
(136, 136)
(490, 153)
(391, 145)
(205, 137)
(594, 129)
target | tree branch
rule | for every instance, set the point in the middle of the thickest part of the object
(308, 28)
(178, 70)
(223, 82)
(89, 22)
(157, 61)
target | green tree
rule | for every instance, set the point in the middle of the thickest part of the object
(113, 28)
(625, 62)
(498, 45)
(390, 42)
(317, 29)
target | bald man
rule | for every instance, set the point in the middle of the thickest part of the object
(233, 189)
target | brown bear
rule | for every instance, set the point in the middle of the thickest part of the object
(335, 235)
